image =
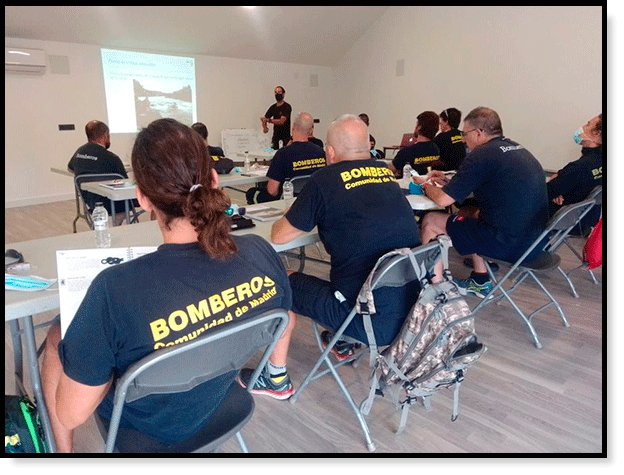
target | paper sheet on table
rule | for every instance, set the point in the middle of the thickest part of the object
(77, 269)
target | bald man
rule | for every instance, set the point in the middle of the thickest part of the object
(300, 158)
(361, 213)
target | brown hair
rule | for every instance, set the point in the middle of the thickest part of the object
(429, 123)
(95, 130)
(168, 158)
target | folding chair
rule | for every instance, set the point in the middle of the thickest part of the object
(556, 231)
(86, 196)
(596, 195)
(182, 367)
(299, 182)
(394, 269)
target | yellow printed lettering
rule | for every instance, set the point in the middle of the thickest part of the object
(346, 176)
(256, 284)
(228, 297)
(181, 325)
(216, 304)
(243, 290)
(159, 328)
(268, 282)
(200, 313)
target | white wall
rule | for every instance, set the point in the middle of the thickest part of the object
(539, 67)
(232, 93)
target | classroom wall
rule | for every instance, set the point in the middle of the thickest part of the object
(539, 67)
(232, 93)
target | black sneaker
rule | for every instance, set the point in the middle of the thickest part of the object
(278, 387)
(341, 350)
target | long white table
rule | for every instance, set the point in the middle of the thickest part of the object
(19, 306)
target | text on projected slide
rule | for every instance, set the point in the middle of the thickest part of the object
(143, 87)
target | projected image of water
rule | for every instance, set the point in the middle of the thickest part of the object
(152, 105)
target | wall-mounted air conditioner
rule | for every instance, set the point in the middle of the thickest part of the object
(24, 60)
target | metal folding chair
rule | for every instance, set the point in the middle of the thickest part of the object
(394, 269)
(182, 367)
(83, 194)
(556, 231)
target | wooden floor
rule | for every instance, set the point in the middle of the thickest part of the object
(516, 399)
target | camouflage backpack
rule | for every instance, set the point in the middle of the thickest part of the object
(435, 346)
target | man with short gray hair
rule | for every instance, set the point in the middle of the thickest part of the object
(509, 188)
(361, 213)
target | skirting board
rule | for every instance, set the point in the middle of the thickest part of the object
(39, 200)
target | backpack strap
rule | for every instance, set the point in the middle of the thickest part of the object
(445, 244)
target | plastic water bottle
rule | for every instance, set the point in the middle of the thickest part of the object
(288, 192)
(247, 165)
(407, 171)
(100, 225)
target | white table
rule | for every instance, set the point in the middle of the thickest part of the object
(417, 202)
(19, 307)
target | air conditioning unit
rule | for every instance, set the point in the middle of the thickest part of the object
(24, 60)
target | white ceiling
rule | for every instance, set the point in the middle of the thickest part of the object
(312, 35)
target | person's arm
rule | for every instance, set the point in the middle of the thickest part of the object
(283, 232)
(435, 194)
(273, 187)
(75, 402)
(280, 121)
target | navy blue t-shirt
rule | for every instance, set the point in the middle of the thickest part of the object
(577, 179)
(452, 148)
(361, 213)
(419, 156)
(509, 187)
(167, 297)
(297, 159)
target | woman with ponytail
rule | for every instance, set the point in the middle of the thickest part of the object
(193, 283)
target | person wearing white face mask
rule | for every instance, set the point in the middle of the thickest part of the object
(577, 179)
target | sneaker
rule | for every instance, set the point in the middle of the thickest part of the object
(493, 265)
(265, 384)
(341, 350)
(469, 285)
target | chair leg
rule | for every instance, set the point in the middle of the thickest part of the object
(312, 375)
(241, 442)
(565, 276)
(554, 302)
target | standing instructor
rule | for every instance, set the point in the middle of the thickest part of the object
(278, 115)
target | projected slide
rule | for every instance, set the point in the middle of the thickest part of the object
(143, 87)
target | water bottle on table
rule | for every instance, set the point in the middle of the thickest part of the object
(407, 171)
(288, 192)
(100, 226)
(247, 165)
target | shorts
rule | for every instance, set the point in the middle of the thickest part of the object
(316, 299)
(475, 237)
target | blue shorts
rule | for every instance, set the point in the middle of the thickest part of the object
(316, 299)
(475, 237)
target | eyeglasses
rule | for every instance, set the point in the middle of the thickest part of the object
(463, 134)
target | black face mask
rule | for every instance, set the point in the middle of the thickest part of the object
(279, 97)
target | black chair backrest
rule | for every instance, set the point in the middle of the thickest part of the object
(182, 367)
(299, 182)
(564, 220)
(398, 270)
(89, 198)
(596, 195)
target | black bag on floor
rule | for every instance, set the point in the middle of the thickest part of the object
(23, 432)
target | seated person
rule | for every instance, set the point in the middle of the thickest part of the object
(359, 219)
(449, 140)
(202, 130)
(577, 179)
(94, 158)
(509, 189)
(375, 154)
(424, 153)
(300, 158)
(132, 309)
